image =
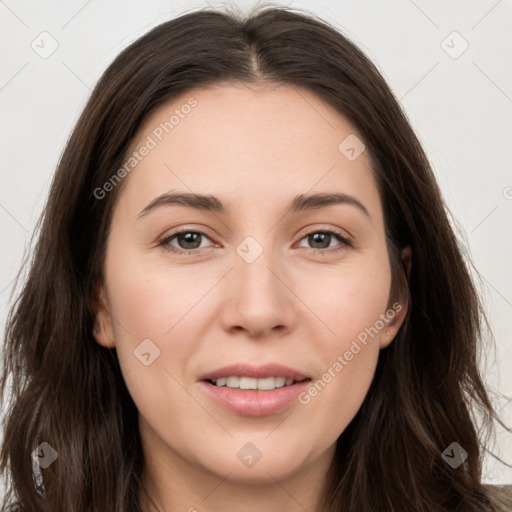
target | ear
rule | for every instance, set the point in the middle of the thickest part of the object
(396, 313)
(103, 331)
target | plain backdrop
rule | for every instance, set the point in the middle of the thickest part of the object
(448, 63)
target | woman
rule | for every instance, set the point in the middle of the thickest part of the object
(246, 294)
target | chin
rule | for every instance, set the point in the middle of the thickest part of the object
(273, 464)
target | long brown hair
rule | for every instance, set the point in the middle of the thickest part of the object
(69, 392)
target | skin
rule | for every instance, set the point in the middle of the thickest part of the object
(255, 148)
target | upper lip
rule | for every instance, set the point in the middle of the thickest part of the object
(257, 372)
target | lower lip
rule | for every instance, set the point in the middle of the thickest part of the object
(254, 402)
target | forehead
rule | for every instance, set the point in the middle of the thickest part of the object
(255, 142)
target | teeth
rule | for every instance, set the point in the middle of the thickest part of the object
(280, 382)
(248, 383)
(232, 382)
(266, 384)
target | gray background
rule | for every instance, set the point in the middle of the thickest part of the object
(459, 102)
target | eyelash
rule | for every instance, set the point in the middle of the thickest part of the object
(345, 242)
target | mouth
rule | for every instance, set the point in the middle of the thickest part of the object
(246, 383)
(254, 391)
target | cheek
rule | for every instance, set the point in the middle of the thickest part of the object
(151, 308)
(152, 299)
(350, 302)
(349, 350)
(160, 310)
(346, 373)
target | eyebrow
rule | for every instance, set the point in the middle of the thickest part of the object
(213, 204)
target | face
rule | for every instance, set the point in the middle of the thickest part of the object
(255, 275)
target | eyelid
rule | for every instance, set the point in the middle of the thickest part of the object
(203, 230)
(166, 238)
(345, 239)
(319, 228)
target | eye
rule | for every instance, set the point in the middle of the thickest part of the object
(321, 241)
(187, 242)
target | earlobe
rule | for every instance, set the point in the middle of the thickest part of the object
(103, 332)
(396, 315)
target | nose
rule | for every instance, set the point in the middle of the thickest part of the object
(259, 298)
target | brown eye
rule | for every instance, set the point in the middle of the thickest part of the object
(320, 241)
(188, 240)
(185, 241)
